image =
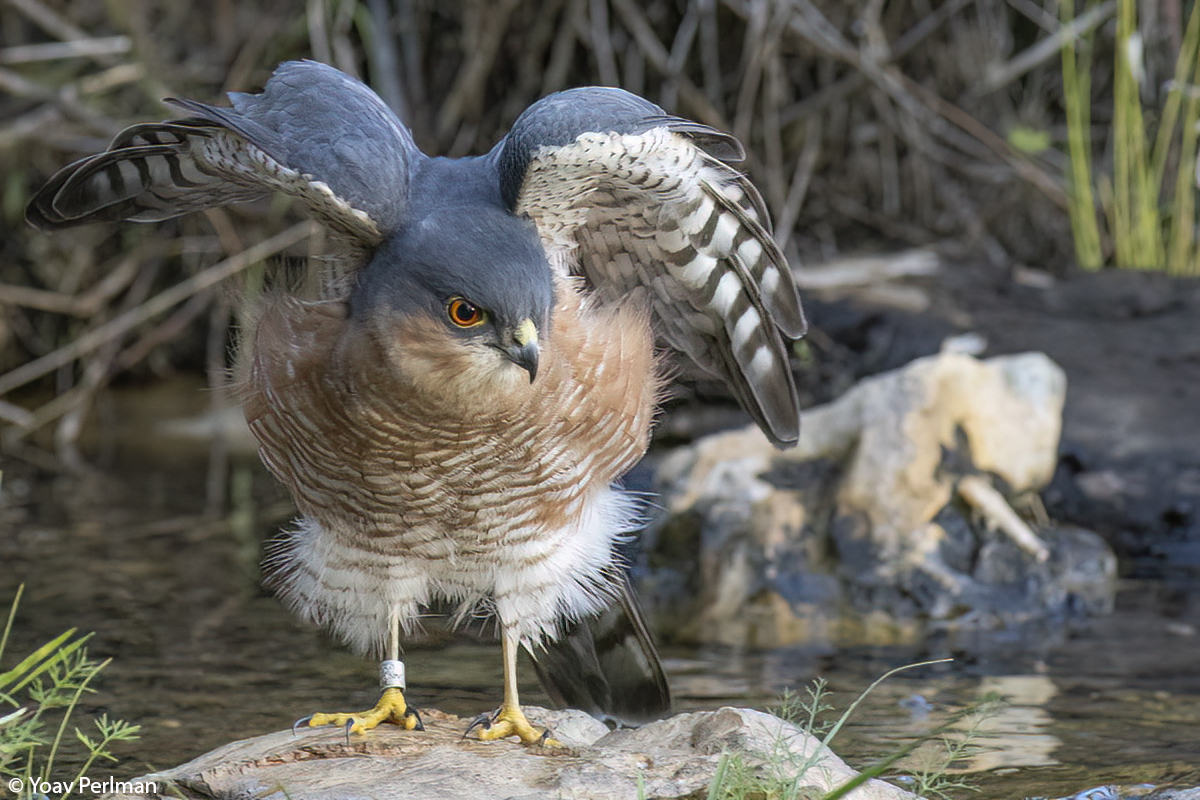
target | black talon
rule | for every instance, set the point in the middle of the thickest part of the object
(412, 712)
(301, 722)
(482, 721)
(546, 735)
(349, 725)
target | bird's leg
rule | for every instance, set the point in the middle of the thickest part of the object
(391, 707)
(510, 719)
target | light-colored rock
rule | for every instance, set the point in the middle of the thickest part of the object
(861, 528)
(673, 758)
(1008, 408)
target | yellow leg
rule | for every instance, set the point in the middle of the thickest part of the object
(510, 720)
(390, 708)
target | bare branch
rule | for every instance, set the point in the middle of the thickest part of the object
(153, 307)
(1044, 50)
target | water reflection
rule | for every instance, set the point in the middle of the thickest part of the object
(1018, 735)
(1018, 731)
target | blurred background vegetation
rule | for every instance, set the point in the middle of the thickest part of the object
(1053, 134)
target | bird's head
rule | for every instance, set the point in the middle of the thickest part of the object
(460, 301)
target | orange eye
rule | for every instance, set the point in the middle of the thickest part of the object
(464, 314)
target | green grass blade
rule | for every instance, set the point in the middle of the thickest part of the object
(882, 766)
(717, 786)
(47, 655)
(837, 726)
(1188, 52)
(12, 613)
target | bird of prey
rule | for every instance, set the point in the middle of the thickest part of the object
(453, 415)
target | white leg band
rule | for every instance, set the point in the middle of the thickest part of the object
(391, 674)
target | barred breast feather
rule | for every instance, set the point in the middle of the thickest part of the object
(403, 504)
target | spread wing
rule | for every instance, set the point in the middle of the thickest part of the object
(314, 133)
(636, 200)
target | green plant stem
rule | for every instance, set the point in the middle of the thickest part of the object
(1183, 257)
(1135, 192)
(1077, 87)
(1179, 86)
(877, 769)
(1147, 230)
(111, 731)
(62, 727)
(837, 726)
(12, 613)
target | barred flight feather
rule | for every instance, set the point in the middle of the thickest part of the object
(156, 171)
(653, 210)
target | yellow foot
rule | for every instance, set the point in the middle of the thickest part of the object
(511, 721)
(390, 708)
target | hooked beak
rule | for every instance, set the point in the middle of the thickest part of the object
(524, 350)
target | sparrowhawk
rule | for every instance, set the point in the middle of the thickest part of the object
(453, 415)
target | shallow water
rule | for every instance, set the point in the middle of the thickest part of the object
(202, 656)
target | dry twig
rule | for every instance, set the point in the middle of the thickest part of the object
(153, 307)
(999, 514)
(1045, 50)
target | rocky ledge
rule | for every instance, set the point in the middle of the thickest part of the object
(672, 758)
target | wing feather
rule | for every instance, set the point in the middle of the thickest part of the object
(641, 201)
(314, 133)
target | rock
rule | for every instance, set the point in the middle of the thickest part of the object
(866, 530)
(673, 758)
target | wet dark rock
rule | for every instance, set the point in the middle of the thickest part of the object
(1130, 346)
(673, 758)
(887, 521)
(1129, 343)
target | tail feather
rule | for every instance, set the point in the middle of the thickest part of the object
(607, 665)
